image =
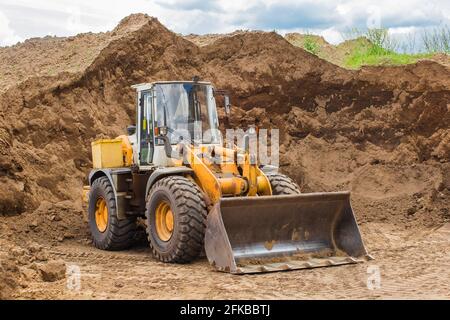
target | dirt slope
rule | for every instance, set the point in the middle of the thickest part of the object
(381, 132)
(336, 54)
(207, 39)
(51, 56)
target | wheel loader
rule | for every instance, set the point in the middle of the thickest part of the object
(195, 196)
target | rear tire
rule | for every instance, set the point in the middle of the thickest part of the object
(108, 233)
(177, 237)
(282, 184)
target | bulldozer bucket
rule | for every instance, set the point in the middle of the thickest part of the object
(286, 232)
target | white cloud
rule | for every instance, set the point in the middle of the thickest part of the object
(332, 35)
(7, 35)
(31, 18)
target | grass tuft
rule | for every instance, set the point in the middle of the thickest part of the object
(382, 49)
(310, 44)
(437, 40)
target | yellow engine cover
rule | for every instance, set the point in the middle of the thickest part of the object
(107, 153)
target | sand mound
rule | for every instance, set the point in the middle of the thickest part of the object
(53, 56)
(207, 39)
(322, 48)
(25, 263)
(336, 54)
(382, 132)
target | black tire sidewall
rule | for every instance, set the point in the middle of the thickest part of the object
(98, 192)
(162, 194)
(277, 179)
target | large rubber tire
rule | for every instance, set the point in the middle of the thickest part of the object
(189, 219)
(119, 234)
(282, 184)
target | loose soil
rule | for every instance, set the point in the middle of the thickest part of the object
(381, 132)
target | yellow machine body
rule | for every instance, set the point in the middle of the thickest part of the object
(249, 228)
(216, 172)
(107, 153)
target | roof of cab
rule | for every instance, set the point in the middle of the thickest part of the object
(149, 85)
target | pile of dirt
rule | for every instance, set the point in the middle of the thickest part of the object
(324, 49)
(207, 39)
(382, 132)
(25, 241)
(50, 222)
(55, 56)
(336, 54)
(401, 182)
(25, 263)
(339, 54)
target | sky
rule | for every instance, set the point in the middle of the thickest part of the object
(23, 19)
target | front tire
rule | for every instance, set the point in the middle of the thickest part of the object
(282, 184)
(176, 220)
(108, 232)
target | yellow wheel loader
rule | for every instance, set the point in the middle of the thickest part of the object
(173, 172)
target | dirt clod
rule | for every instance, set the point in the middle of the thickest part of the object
(53, 270)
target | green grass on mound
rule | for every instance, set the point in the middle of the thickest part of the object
(374, 47)
(374, 55)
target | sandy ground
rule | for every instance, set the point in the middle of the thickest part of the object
(381, 132)
(411, 265)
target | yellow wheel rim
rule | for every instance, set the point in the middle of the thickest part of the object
(164, 221)
(101, 215)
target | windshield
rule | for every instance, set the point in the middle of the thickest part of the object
(188, 111)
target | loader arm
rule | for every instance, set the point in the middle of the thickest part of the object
(217, 172)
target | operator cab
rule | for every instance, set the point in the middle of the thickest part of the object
(179, 110)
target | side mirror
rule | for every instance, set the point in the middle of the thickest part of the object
(161, 134)
(161, 131)
(131, 130)
(227, 104)
(226, 100)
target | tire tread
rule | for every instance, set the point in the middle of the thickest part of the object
(282, 184)
(120, 233)
(192, 219)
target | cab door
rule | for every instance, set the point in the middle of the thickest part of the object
(145, 128)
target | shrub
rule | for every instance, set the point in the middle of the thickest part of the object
(310, 44)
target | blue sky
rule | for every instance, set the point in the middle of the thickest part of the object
(22, 19)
